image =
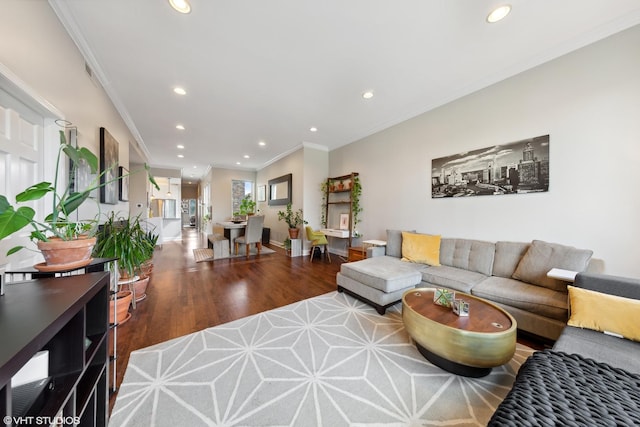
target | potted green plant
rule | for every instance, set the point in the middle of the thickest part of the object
(247, 207)
(63, 242)
(147, 266)
(125, 239)
(293, 220)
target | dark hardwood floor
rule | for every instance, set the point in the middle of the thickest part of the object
(184, 296)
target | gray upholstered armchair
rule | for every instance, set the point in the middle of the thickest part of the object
(252, 233)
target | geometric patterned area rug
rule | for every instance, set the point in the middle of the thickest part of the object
(325, 361)
(206, 254)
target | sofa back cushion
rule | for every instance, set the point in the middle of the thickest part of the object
(543, 256)
(472, 255)
(394, 243)
(508, 256)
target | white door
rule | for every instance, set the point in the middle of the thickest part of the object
(21, 157)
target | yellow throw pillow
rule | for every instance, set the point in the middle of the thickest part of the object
(604, 312)
(421, 248)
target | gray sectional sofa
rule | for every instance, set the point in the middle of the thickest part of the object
(588, 377)
(512, 275)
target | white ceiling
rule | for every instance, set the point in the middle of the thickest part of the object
(258, 70)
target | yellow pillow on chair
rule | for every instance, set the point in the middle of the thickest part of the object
(604, 312)
(421, 248)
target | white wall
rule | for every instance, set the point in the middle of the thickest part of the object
(292, 164)
(589, 103)
(316, 171)
(221, 190)
(139, 188)
(36, 48)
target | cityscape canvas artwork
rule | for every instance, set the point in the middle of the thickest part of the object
(513, 168)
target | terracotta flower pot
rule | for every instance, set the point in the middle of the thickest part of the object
(67, 253)
(140, 287)
(121, 314)
(146, 269)
(293, 233)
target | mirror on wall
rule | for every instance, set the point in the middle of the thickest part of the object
(280, 190)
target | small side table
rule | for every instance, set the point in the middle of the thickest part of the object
(373, 244)
(356, 253)
(560, 274)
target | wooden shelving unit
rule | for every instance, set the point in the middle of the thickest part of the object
(69, 318)
(335, 196)
(96, 264)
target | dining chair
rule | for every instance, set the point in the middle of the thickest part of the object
(252, 233)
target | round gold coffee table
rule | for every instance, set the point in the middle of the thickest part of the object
(468, 346)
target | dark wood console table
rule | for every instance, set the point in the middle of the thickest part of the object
(96, 265)
(68, 317)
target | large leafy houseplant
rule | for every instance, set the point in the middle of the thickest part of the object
(127, 240)
(57, 225)
(293, 220)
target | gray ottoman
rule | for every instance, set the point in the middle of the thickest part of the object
(378, 281)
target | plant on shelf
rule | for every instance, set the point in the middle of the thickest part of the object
(356, 192)
(127, 240)
(324, 188)
(57, 229)
(293, 220)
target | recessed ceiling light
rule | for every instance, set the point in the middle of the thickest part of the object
(195, 167)
(246, 156)
(498, 13)
(262, 143)
(313, 129)
(180, 127)
(181, 155)
(179, 91)
(180, 146)
(367, 95)
(181, 6)
(237, 163)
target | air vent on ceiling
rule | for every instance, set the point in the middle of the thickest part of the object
(89, 71)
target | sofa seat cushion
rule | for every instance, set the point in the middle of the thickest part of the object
(603, 348)
(531, 298)
(452, 278)
(384, 273)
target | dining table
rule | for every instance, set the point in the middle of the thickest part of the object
(232, 229)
